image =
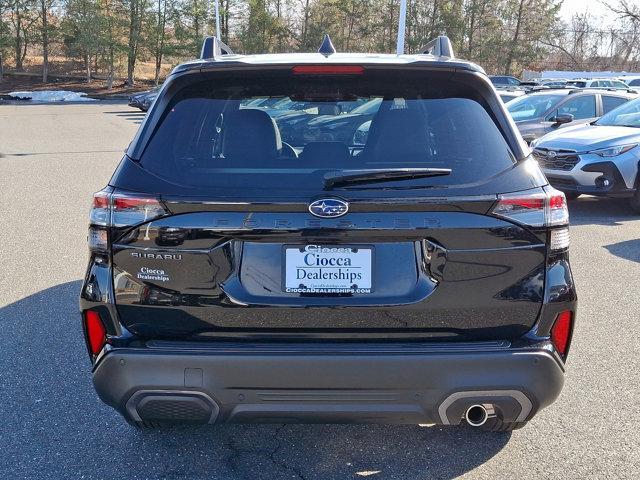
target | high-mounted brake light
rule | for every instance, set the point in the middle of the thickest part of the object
(95, 331)
(328, 70)
(561, 332)
(540, 207)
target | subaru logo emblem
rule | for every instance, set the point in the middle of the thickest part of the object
(328, 207)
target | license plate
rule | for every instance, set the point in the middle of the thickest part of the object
(327, 269)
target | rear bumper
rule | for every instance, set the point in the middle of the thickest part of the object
(375, 383)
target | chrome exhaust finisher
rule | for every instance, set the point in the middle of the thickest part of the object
(477, 415)
(514, 405)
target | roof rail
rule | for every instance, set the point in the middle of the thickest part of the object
(628, 90)
(212, 48)
(538, 88)
(439, 47)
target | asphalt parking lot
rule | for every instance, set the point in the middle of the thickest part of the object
(52, 157)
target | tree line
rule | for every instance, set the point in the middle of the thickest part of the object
(110, 37)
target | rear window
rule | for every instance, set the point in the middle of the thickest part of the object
(627, 115)
(282, 130)
(529, 107)
(609, 102)
(618, 84)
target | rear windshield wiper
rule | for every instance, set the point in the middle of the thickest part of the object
(352, 177)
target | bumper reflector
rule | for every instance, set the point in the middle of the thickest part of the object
(561, 331)
(95, 331)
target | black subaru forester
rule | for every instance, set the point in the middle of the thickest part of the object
(250, 262)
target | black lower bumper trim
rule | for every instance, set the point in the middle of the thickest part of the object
(434, 387)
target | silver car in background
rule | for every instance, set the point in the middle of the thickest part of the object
(600, 158)
(545, 111)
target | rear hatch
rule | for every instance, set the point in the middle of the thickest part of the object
(249, 218)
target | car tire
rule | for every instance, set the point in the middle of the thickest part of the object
(634, 202)
(496, 424)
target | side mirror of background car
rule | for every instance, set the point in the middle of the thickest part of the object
(562, 118)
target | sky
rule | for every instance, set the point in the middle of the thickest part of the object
(595, 7)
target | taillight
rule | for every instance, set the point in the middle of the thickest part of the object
(129, 210)
(557, 212)
(327, 70)
(526, 208)
(540, 207)
(100, 211)
(561, 332)
(95, 331)
(559, 239)
(119, 210)
(98, 239)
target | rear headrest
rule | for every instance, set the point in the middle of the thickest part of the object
(250, 134)
(328, 109)
(396, 136)
(330, 154)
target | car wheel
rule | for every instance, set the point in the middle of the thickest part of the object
(634, 201)
(496, 424)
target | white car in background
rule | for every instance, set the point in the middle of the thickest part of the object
(597, 83)
(633, 82)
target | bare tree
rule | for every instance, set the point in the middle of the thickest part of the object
(5, 35)
(22, 18)
(136, 15)
(160, 35)
(625, 9)
(45, 7)
(516, 37)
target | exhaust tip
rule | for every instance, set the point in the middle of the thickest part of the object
(476, 415)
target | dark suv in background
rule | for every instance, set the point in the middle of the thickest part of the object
(505, 81)
(541, 112)
(417, 275)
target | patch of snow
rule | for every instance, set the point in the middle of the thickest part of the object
(52, 96)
